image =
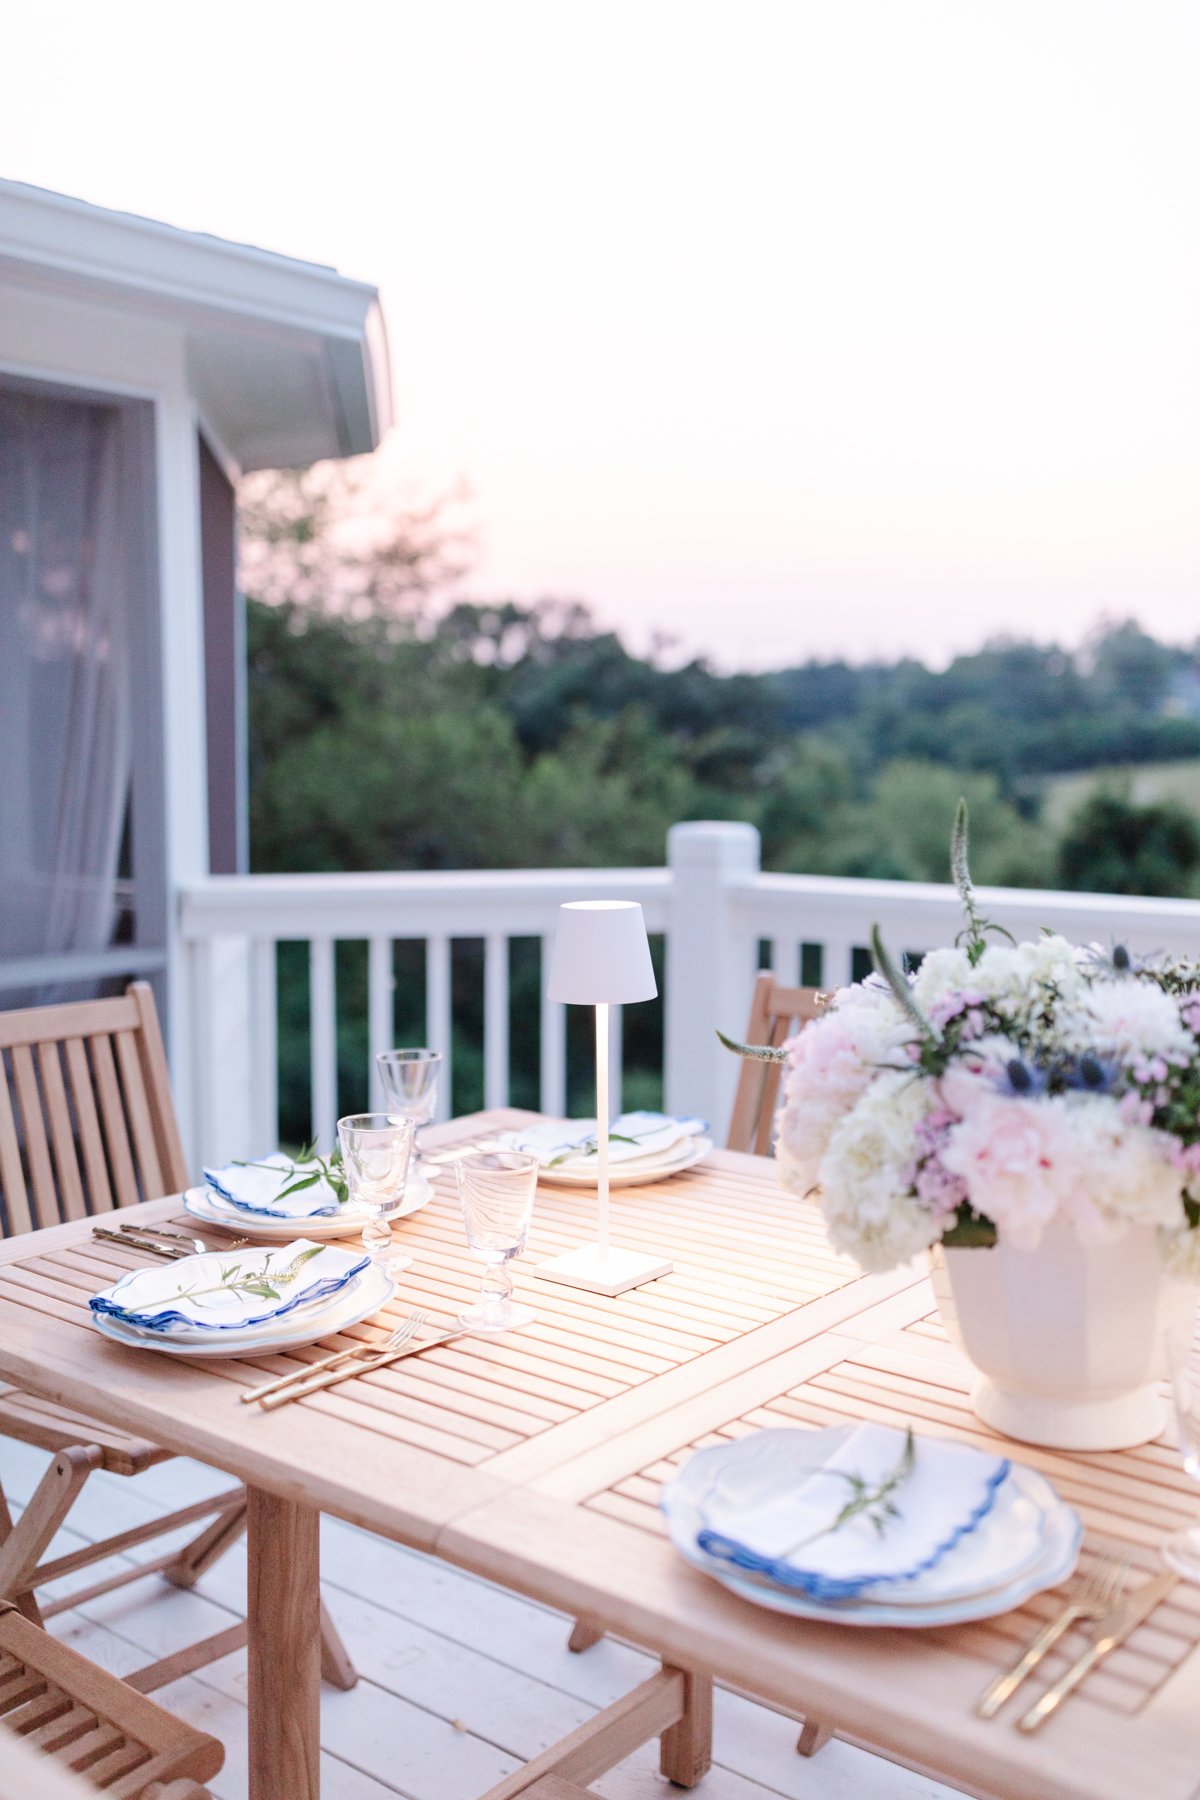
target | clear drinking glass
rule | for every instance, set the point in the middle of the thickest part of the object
(1182, 1549)
(375, 1155)
(496, 1190)
(409, 1080)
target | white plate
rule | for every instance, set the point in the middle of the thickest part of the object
(621, 1175)
(1062, 1533)
(371, 1292)
(348, 1221)
(1004, 1542)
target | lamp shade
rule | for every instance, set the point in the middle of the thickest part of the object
(601, 955)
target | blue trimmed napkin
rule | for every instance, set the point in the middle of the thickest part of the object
(572, 1145)
(775, 1514)
(229, 1291)
(257, 1188)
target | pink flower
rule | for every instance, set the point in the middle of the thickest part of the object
(1019, 1161)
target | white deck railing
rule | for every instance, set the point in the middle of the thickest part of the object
(715, 907)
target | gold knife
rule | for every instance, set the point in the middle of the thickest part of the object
(299, 1390)
(153, 1249)
(1125, 1617)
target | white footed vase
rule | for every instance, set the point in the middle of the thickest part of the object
(1068, 1339)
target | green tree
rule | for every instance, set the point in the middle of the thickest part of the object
(1112, 846)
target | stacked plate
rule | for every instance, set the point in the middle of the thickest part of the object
(642, 1147)
(242, 1303)
(212, 1206)
(965, 1539)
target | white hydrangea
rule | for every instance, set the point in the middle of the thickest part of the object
(1010, 976)
(830, 1064)
(1128, 1018)
(1123, 1170)
(866, 1174)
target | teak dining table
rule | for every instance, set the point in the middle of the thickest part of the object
(536, 1459)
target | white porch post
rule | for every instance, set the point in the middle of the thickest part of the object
(711, 962)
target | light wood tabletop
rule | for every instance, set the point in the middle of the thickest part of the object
(536, 1459)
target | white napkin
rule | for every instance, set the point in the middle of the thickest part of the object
(229, 1291)
(256, 1188)
(772, 1515)
(572, 1144)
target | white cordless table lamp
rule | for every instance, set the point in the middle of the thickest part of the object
(602, 958)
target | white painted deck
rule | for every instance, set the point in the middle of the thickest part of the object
(461, 1682)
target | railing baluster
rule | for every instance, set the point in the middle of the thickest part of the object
(265, 1072)
(495, 1020)
(323, 1041)
(837, 963)
(553, 1044)
(381, 985)
(437, 1013)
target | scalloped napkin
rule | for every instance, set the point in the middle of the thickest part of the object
(772, 1515)
(228, 1291)
(634, 1136)
(257, 1187)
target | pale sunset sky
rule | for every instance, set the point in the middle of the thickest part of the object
(789, 327)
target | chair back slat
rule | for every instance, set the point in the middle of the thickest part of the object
(158, 1088)
(116, 1136)
(37, 1150)
(62, 1138)
(137, 1112)
(12, 1175)
(86, 1120)
(776, 1013)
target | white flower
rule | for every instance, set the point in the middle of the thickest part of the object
(1129, 1018)
(830, 1064)
(866, 1176)
(943, 972)
(1122, 1170)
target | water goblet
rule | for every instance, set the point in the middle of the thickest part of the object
(496, 1190)
(409, 1080)
(1182, 1549)
(375, 1156)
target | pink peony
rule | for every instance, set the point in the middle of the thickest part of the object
(1019, 1161)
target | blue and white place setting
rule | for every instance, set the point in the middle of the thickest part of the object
(271, 1196)
(868, 1525)
(642, 1147)
(247, 1302)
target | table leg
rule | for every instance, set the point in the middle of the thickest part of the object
(285, 1648)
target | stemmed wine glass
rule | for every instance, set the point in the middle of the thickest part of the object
(496, 1190)
(375, 1157)
(1182, 1549)
(409, 1080)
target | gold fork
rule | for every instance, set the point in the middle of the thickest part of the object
(1090, 1598)
(406, 1329)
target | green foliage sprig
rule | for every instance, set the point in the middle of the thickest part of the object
(306, 1170)
(873, 1501)
(236, 1278)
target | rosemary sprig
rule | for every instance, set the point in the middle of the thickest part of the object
(589, 1147)
(876, 1502)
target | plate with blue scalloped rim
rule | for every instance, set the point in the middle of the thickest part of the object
(1029, 1541)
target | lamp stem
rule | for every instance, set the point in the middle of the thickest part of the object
(602, 1126)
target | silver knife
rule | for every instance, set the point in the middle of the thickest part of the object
(1111, 1631)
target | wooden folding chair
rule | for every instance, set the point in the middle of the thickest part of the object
(100, 1732)
(94, 1127)
(776, 1013)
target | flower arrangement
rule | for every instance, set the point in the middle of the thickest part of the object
(998, 1088)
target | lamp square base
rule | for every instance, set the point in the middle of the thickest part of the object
(609, 1271)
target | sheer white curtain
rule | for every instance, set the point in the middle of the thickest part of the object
(65, 706)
